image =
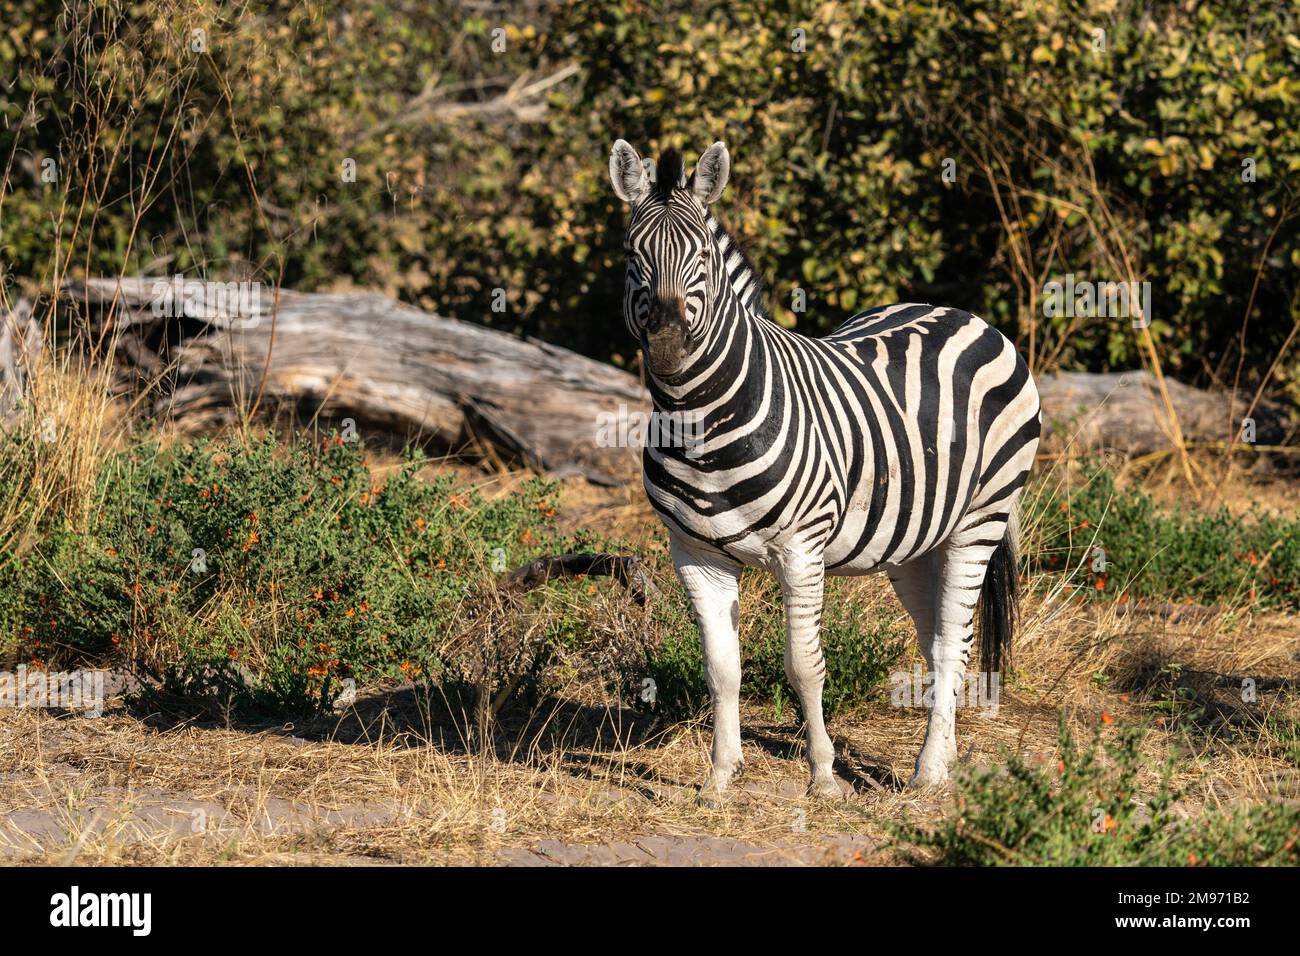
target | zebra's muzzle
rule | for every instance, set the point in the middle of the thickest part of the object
(666, 339)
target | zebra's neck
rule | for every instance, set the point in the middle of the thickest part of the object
(742, 277)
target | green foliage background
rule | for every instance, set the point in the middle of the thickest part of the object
(1067, 158)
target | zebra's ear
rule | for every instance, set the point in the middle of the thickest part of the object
(627, 172)
(711, 172)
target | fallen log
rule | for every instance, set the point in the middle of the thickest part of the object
(21, 342)
(463, 386)
(196, 359)
(1124, 412)
(625, 569)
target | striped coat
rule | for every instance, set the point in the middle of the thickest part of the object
(899, 443)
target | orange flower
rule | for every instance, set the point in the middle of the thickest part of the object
(1101, 583)
(1107, 718)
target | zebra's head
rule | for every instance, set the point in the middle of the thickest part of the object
(671, 251)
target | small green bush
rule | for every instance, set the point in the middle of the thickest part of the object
(1086, 812)
(860, 651)
(1162, 554)
(278, 569)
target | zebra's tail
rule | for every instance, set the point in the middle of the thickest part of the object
(1000, 600)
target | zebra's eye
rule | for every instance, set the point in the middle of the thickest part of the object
(704, 254)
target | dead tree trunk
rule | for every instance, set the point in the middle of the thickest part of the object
(1123, 411)
(21, 341)
(198, 359)
(204, 353)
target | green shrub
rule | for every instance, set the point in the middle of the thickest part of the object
(282, 569)
(1163, 554)
(1087, 812)
(861, 648)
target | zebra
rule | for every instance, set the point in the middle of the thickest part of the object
(899, 443)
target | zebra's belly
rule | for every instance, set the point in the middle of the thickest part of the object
(851, 530)
(767, 547)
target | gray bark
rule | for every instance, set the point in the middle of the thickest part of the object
(415, 375)
(387, 365)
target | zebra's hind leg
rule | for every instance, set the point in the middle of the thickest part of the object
(802, 578)
(961, 566)
(916, 584)
(712, 585)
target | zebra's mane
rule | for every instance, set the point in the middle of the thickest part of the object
(668, 174)
(745, 280)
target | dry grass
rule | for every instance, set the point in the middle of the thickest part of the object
(63, 435)
(581, 780)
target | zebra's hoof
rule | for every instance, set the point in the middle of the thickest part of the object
(826, 789)
(711, 796)
(710, 799)
(713, 793)
(928, 779)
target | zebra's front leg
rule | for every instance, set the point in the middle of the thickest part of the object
(802, 579)
(712, 584)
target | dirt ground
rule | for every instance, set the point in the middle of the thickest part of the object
(581, 781)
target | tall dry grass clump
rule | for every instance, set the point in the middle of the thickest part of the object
(59, 417)
(53, 448)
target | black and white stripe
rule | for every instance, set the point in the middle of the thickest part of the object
(899, 443)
